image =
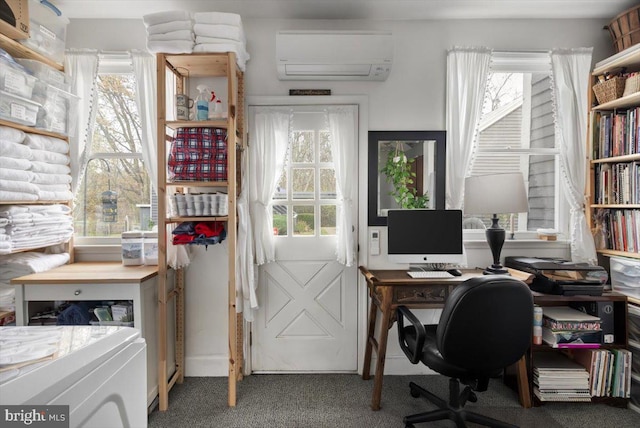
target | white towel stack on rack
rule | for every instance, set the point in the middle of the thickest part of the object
(34, 226)
(15, 161)
(220, 32)
(169, 32)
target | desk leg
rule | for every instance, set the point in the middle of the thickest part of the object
(373, 312)
(382, 352)
(523, 382)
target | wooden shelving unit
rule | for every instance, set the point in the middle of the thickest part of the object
(183, 66)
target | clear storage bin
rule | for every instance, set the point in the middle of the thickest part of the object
(132, 254)
(45, 73)
(47, 30)
(15, 80)
(633, 323)
(625, 275)
(58, 111)
(150, 247)
(17, 109)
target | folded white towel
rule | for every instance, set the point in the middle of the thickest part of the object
(32, 262)
(11, 134)
(50, 157)
(203, 40)
(53, 187)
(14, 150)
(16, 174)
(49, 168)
(14, 163)
(170, 46)
(7, 195)
(44, 178)
(43, 142)
(220, 31)
(55, 196)
(169, 26)
(173, 35)
(242, 56)
(18, 186)
(164, 17)
(217, 18)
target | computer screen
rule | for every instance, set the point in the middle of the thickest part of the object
(418, 236)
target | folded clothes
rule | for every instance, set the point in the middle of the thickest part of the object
(11, 134)
(14, 163)
(44, 142)
(49, 157)
(220, 31)
(185, 228)
(169, 26)
(209, 228)
(14, 150)
(165, 17)
(173, 35)
(217, 18)
(170, 46)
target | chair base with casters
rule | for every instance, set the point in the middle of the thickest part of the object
(485, 326)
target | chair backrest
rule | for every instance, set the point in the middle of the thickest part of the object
(486, 323)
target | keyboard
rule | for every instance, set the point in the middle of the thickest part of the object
(430, 274)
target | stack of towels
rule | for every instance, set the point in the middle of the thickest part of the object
(169, 32)
(33, 167)
(23, 227)
(220, 32)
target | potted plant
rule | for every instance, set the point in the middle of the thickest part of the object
(397, 171)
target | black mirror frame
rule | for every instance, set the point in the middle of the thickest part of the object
(440, 137)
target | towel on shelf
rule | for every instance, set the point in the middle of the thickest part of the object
(44, 178)
(16, 174)
(220, 31)
(14, 163)
(54, 196)
(169, 27)
(7, 195)
(170, 46)
(18, 186)
(164, 17)
(50, 157)
(20, 264)
(53, 187)
(49, 168)
(11, 149)
(173, 35)
(242, 56)
(217, 18)
(11, 134)
(43, 142)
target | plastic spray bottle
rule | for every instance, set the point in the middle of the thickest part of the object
(202, 103)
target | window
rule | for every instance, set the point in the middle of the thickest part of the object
(305, 198)
(115, 194)
(516, 133)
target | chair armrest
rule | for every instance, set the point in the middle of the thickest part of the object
(413, 353)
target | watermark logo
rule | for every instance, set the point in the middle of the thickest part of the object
(34, 416)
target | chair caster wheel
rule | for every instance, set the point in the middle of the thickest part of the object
(415, 394)
(409, 426)
(473, 397)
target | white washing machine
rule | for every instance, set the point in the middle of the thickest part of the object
(99, 372)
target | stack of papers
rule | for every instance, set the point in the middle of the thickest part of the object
(565, 327)
(557, 378)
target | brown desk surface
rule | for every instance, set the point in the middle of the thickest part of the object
(90, 272)
(400, 277)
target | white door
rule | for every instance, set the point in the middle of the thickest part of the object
(307, 320)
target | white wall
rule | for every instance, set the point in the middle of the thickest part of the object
(413, 98)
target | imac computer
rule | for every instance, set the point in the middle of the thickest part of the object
(425, 237)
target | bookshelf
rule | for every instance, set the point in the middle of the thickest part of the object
(614, 163)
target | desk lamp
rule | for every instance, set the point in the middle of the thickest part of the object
(495, 194)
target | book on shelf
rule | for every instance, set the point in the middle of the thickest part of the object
(609, 371)
(565, 318)
(572, 338)
(558, 378)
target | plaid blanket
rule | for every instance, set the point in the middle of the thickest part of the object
(198, 154)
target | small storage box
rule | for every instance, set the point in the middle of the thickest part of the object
(17, 109)
(45, 73)
(633, 323)
(150, 247)
(14, 80)
(59, 108)
(132, 254)
(47, 30)
(625, 276)
(610, 89)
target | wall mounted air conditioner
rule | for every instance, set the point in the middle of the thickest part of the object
(334, 55)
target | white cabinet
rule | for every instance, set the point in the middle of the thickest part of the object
(104, 281)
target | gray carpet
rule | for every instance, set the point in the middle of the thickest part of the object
(335, 400)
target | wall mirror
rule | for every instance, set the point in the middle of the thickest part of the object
(425, 154)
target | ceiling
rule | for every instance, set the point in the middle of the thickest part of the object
(354, 9)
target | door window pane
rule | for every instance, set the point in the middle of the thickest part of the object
(303, 220)
(281, 187)
(327, 183)
(302, 147)
(302, 180)
(325, 147)
(280, 220)
(327, 220)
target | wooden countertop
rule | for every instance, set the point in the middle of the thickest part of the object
(99, 273)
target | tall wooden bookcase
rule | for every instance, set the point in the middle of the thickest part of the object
(185, 66)
(612, 195)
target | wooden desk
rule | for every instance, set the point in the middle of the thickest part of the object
(389, 289)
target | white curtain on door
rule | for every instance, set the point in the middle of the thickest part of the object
(246, 273)
(144, 70)
(467, 71)
(267, 153)
(81, 68)
(342, 128)
(571, 71)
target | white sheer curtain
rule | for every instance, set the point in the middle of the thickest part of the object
(144, 69)
(342, 128)
(81, 67)
(467, 71)
(571, 69)
(267, 152)
(246, 273)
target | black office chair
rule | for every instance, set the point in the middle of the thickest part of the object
(485, 326)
